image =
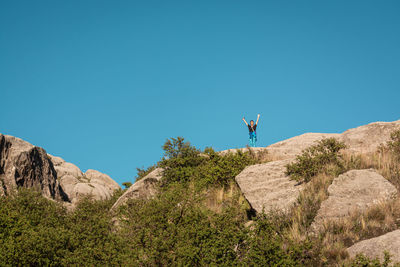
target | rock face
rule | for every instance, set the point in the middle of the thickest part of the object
(354, 190)
(266, 186)
(144, 188)
(363, 139)
(367, 138)
(77, 184)
(24, 165)
(375, 247)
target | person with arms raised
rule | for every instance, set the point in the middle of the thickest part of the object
(252, 131)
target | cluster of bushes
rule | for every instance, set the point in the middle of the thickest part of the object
(35, 231)
(172, 229)
(183, 163)
(176, 229)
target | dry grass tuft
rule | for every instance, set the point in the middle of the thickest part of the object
(215, 197)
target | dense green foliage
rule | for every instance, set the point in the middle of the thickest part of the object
(172, 229)
(184, 163)
(37, 231)
(322, 157)
(363, 261)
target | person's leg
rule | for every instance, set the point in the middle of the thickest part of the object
(250, 141)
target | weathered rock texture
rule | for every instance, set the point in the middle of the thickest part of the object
(77, 184)
(375, 247)
(24, 165)
(145, 188)
(355, 190)
(367, 138)
(266, 186)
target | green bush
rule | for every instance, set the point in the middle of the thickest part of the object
(127, 185)
(322, 157)
(36, 231)
(183, 163)
(174, 229)
(364, 261)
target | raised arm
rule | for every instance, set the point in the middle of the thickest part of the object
(258, 117)
(245, 121)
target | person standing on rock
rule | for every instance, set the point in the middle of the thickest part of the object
(252, 131)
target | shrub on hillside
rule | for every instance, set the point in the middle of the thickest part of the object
(35, 231)
(174, 229)
(362, 260)
(183, 162)
(323, 157)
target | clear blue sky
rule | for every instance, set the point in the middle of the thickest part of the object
(104, 83)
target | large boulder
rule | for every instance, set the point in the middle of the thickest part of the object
(25, 165)
(77, 184)
(355, 190)
(145, 188)
(375, 247)
(367, 138)
(266, 186)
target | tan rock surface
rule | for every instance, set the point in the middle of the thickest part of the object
(355, 190)
(78, 185)
(266, 186)
(367, 138)
(144, 188)
(375, 247)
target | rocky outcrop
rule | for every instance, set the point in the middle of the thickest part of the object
(145, 188)
(355, 190)
(375, 247)
(77, 184)
(367, 138)
(267, 187)
(363, 139)
(25, 165)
